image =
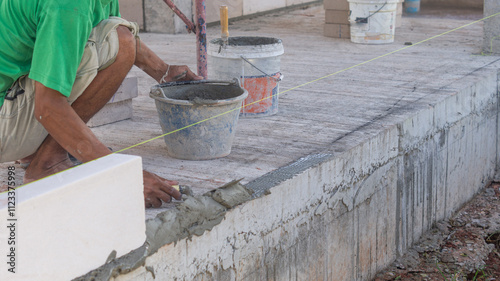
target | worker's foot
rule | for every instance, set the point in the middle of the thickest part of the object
(25, 162)
(34, 172)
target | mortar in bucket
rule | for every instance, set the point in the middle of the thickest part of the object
(198, 117)
(256, 62)
(373, 21)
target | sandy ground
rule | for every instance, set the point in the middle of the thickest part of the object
(465, 247)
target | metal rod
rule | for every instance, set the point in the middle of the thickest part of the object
(190, 24)
(201, 37)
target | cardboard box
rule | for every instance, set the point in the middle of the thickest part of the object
(340, 5)
(335, 16)
(337, 30)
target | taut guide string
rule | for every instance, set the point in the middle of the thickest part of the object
(310, 82)
(313, 81)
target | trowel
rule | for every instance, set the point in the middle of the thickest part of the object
(184, 189)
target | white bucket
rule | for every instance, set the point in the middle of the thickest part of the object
(373, 21)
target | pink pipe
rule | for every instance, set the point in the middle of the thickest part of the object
(201, 37)
(190, 24)
(201, 32)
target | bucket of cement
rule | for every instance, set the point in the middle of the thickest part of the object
(373, 21)
(256, 62)
(198, 117)
(412, 6)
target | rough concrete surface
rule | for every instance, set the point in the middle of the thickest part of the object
(158, 17)
(119, 107)
(491, 43)
(353, 168)
(455, 3)
(194, 216)
(463, 247)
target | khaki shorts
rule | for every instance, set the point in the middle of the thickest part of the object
(20, 133)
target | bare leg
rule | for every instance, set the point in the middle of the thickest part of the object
(50, 157)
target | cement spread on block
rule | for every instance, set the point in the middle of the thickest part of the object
(193, 216)
(261, 185)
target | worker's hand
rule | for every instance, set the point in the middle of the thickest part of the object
(158, 189)
(180, 73)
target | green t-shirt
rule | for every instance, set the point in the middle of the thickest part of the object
(46, 39)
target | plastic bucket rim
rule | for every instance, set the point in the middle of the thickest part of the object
(277, 41)
(374, 1)
(168, 100)
(257, 51)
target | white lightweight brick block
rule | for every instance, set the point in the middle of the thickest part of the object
(112, 112)
(70, 223)
(119, 106)
(128, 90)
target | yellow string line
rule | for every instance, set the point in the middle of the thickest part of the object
(300, 86)
(310, 82)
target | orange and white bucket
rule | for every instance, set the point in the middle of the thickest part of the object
(255, 61)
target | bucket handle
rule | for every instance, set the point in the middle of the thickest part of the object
(365, 20)
(267, 75)
(235, 82)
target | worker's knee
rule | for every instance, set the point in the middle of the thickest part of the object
(127, 43)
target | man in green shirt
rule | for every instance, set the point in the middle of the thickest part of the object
(60, 63)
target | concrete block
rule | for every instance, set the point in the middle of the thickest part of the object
(399, 14)
(336, 5)
(127, 90)
(413, 129)
(132, 10)
(160, 18)
(186, 6)
(112, 112)
(70, 223)
(491, 43)
(235, 9)
(337, 30)
(337, 16)
(119, 106)
(256, 6)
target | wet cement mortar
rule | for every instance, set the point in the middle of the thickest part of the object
(200, 93)
(464, 247)
(193, 216)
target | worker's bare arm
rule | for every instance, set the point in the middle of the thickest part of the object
(57, 116)
(155, 67)
(54, 112)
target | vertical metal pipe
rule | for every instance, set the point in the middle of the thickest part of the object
(201, 37)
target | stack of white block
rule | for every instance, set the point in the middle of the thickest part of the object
(120, 105)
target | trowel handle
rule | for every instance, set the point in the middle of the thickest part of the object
(224, 22)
